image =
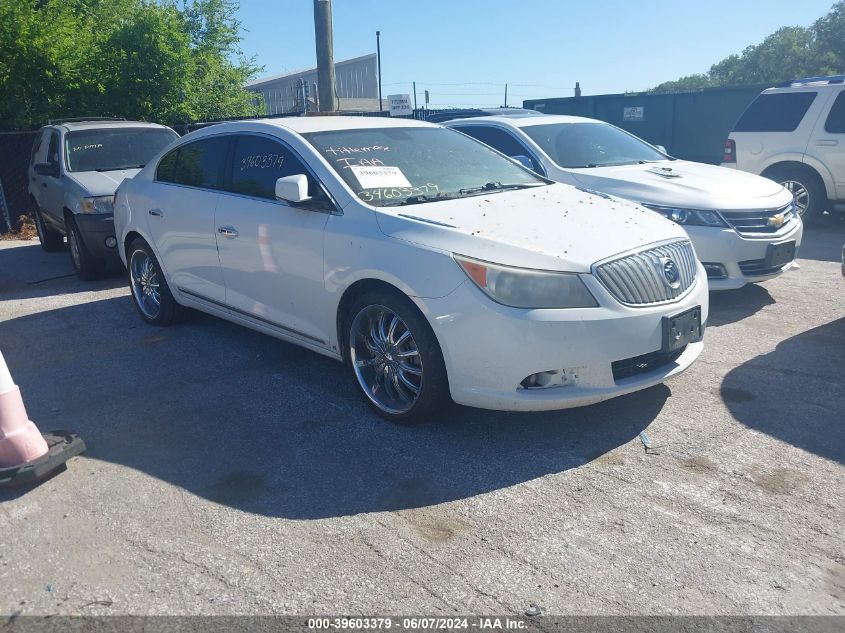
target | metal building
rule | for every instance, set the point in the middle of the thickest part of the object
(356, 83)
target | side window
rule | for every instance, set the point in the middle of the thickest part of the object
(197, 164)
(258, 162)
(500, 140)
(775, 112)
(53, 151)
(166, 170)
(36, 145)
(835, 123)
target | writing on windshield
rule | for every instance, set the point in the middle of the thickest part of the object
(115, 148)
(388, 166)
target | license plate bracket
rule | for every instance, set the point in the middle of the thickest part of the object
(778, 255)
(681, 329)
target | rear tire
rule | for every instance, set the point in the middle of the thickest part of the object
(807, 189)
(395, 358)
(150, 292)
(87, 266)
(51, 240)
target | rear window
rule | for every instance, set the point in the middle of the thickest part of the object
(835, 123)
(775, 112)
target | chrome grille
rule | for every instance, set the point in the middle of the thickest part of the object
(746, 222)
(639, 279)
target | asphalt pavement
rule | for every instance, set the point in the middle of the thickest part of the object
(228, 472)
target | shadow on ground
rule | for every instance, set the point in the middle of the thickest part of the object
(270, 428)
(769, 392)
(729, 306)
(823, 241)
(27, 271)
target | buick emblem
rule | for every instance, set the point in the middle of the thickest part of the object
(671, 274)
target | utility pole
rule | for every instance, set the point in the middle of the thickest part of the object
(506, 95)
(415, 95)
(378, 61)
(325, 55)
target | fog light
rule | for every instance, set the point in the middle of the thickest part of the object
(111, 241)
(552, 378)
(714, 271)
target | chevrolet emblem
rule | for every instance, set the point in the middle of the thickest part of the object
(776, 221)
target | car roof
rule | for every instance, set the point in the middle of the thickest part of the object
(304, 125)
(102, 125)
(515, 120)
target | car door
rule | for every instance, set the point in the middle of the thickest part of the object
(271, 252)
(180, 216)
(50, 198)
(505, 142)
(828, 143)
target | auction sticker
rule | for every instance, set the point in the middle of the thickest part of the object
(377, 177)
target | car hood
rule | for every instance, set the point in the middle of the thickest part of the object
(685, 184)
(556, 227)
(101, 183)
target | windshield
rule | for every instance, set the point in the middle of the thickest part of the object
(116, 148)
(391, 166)
(574, 145)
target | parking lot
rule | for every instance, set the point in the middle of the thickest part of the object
(228, 472)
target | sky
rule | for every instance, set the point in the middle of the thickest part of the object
(464, 51)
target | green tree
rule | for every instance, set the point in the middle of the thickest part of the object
(163, 60)
(791, 51)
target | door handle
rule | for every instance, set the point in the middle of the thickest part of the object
(827, 142)
(44, 184)
(156, 213)
(228, 231)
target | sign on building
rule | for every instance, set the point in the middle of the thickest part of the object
(400, 105)
(634, 113)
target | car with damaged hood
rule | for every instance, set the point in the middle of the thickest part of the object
(75, 168)
(745, 228)
(433, 266)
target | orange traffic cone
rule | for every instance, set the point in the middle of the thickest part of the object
(25, 454)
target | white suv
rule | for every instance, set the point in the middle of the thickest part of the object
(794, 134)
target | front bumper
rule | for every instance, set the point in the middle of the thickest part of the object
(735, 252)
(95, 229)
(489, 349)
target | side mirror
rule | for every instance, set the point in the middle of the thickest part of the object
(525, 161)
(292, 188)
(660, 148)
(47, 169)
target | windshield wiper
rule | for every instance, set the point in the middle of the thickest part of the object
(497, 186)
(119, 168)
(419, 199)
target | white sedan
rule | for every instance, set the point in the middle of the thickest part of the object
(744, 228)
(429, 263)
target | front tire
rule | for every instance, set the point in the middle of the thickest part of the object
(807, 190)
(87, 266)
(150, 292)
(51, 240)
(395, 358)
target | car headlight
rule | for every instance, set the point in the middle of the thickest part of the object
(100, 204)
(689, 217)
(526, 288)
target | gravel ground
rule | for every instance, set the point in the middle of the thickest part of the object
(231, 473)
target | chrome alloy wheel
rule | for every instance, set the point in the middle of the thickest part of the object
(385, 358)
(799, 194)
(75, 247)
(145, 284)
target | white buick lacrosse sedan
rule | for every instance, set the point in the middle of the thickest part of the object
(433, 266)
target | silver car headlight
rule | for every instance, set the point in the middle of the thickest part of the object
(527, 288)
(99, 205)
(689, 217)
